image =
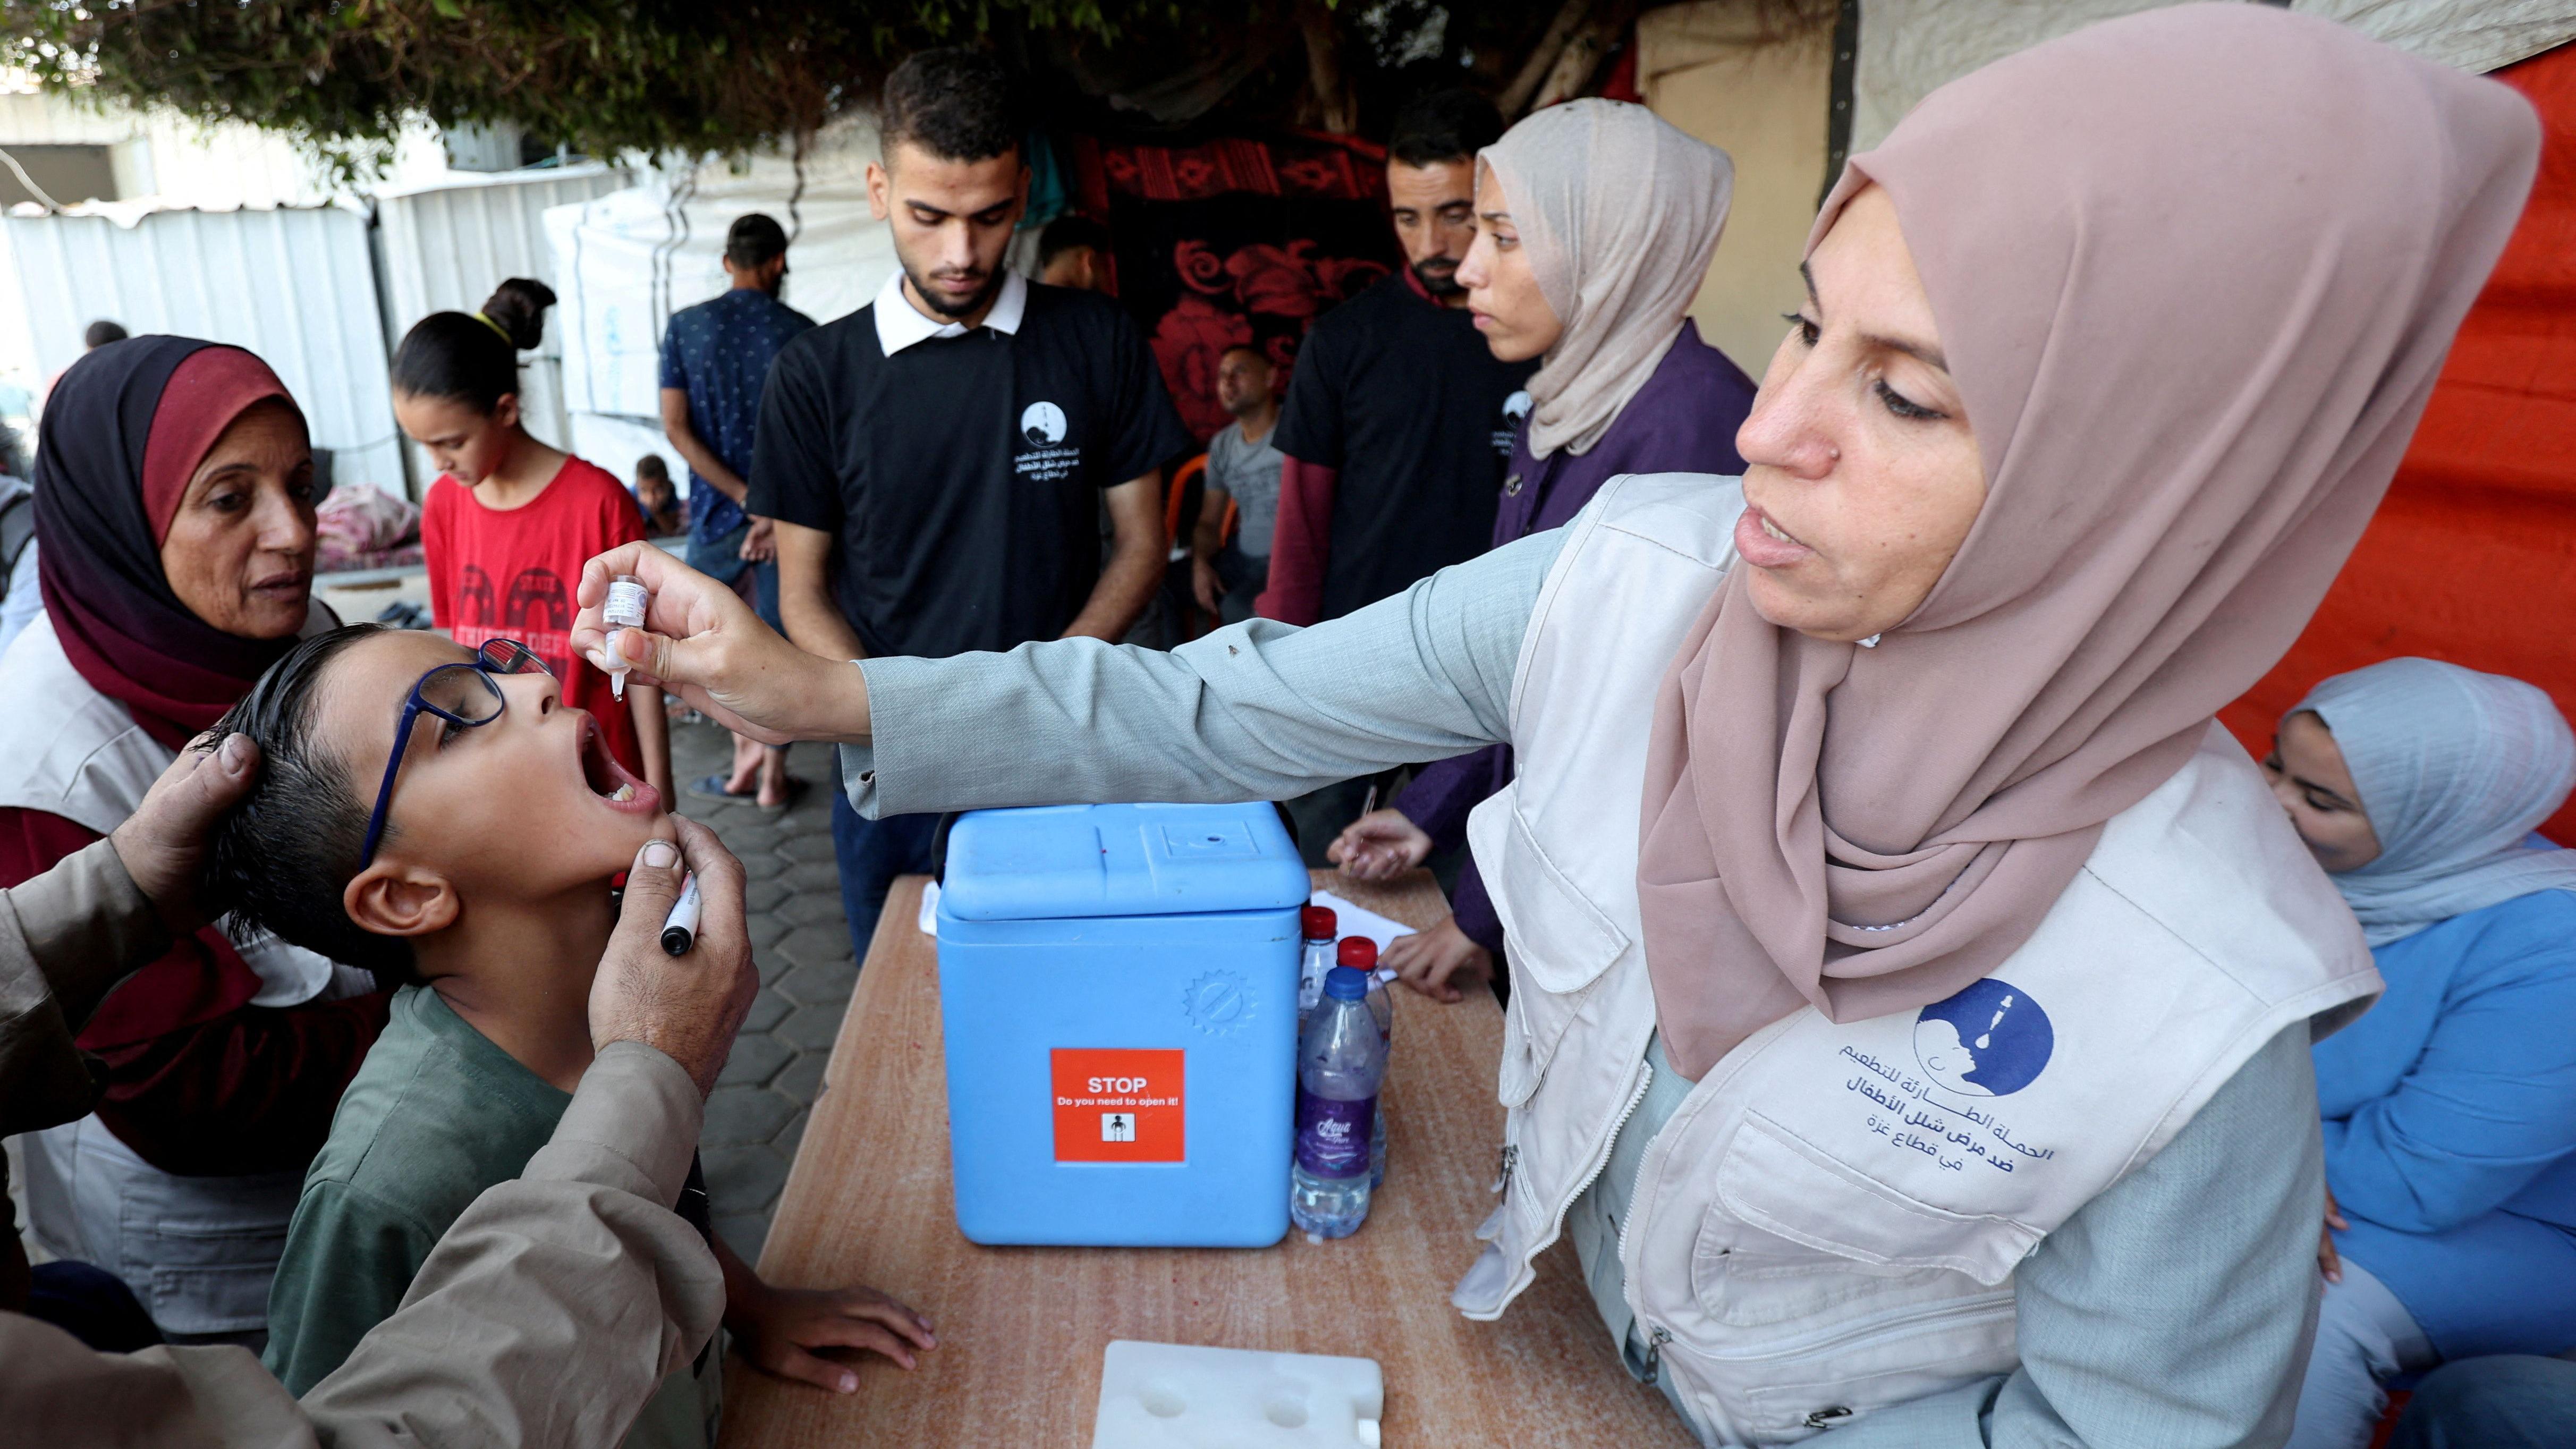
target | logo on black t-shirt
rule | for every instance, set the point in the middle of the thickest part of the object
(1047, 459)
(1042, 424)
(1516, 408)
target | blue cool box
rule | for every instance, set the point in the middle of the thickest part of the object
(1118, 991)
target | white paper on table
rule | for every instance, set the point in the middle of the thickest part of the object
(929, 919)
(1352, 920)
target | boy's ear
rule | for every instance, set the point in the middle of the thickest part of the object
(389, 898)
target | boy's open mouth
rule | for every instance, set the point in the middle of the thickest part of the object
(611, 781)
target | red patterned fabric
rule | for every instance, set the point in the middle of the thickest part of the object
(1235, 242)
(1342, 168)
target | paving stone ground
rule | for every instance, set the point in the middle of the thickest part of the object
(801, 941)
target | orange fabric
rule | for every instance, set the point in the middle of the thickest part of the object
(1173, 496)
(2472, 558)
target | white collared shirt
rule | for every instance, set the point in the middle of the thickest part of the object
(901, 324)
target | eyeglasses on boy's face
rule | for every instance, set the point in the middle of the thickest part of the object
(463, 695)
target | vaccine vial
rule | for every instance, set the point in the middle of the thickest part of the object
(624, 611)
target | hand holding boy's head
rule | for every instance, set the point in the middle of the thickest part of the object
(519, 808)
(162, 845)
(689, 1007)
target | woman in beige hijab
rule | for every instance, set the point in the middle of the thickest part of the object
(1913, 986)
(1595, 221)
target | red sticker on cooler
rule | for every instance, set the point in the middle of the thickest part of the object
(1117, 1105)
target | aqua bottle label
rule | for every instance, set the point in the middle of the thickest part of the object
(1333, 1135)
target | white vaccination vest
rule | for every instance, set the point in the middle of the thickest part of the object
(1829, 1223)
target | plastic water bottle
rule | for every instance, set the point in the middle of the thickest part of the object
(1341, 1059)
(1360, 954)
(1315, 957)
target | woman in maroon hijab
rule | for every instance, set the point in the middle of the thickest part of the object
(174, 506)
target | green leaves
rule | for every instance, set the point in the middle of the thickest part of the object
(684, 76)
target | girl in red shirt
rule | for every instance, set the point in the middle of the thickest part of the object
(510, 521)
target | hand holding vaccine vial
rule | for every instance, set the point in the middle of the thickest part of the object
(624, 611)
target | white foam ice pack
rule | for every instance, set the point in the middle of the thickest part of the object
(1181, 1396)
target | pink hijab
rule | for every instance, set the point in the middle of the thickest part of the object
(2195, 272)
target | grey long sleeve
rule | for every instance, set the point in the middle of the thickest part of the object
(2175, 1310)
(1254, 711)
(66, 936)
(545, 1317)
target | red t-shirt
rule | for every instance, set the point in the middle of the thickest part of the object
(496, 574)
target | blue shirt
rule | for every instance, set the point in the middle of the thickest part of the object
(719, 353)
(2450, 1127)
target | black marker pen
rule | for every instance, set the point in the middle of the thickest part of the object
(680, 931)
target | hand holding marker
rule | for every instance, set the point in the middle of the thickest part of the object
(680, 928)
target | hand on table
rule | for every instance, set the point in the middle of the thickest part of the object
(1379, 846)
(1433, 962)
(163, 843)
(703, 643)
(2330, 1262)
(780, 1330)
(691, 1006)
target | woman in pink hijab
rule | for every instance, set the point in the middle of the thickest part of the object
(1912, 985)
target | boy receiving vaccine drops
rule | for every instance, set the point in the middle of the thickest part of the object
(440, 816)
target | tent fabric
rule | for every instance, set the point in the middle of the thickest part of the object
(626, 261)
(1235, 242)
(2475, 35)
(2472, 557)
(1910, 48)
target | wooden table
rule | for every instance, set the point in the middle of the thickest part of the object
(1021, 1330)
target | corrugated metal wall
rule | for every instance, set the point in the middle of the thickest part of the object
(297, 287)
(446, 249)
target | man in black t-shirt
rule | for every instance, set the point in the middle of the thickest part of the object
(938, 461)
(1399, 421)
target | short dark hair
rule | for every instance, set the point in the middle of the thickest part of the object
(652, 466)
(102, 332)
(754, 239)
(1066, 233)
(957, 104)
(473, 357)
(280, 860)
(1450, 124)
(1250, 351)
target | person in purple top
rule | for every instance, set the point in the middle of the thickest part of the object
(1595, 221)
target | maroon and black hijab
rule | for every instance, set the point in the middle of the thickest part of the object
(124, 431)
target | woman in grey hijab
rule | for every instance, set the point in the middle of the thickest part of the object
(2450, 1109)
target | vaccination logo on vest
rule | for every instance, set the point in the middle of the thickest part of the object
(1990, 1040)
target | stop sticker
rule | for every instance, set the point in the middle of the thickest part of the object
(1117, 1105)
